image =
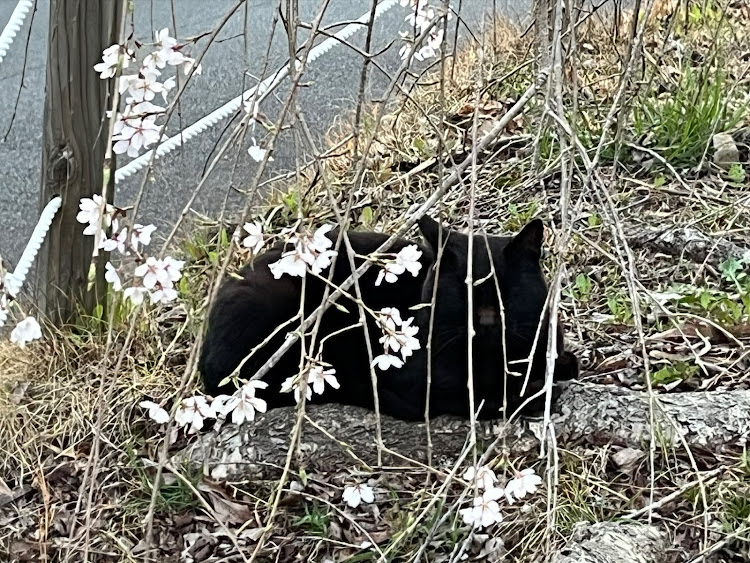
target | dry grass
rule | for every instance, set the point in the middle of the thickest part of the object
(48, 403)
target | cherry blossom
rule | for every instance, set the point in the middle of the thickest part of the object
(111, 58)
(173, 268)
(398, 336)
(3, 309)
(309, 252)
(254, 240)
(192, 412)
(117, 242)
(161, 57)
(144, 87)
(257, 153)
(385, 361)
(26, 331)
(111, 276)
(94, 212)
(484, 477)
(244, 403)
(291, 263)
(141, 235)
(317, 377)
(419, 21)
(163, 294)
(135, 294)
(152, 272)
(292, 384)
(136, 135)
(525, 482)
(485, 510)
(155, 412)
(407, 259)
(354, 495)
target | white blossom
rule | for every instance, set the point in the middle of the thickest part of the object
(484, 477)
(153, 272)
(192, 412)
(398, 336)
(292, 384)
(136, 134)
(155, 412)
(163, 295)
(356, 494)
(111, 276)
(26, 331)
(117, 242)
(135, 294)
(485, 510)
(317, 378)
(141, 235)
(254, 240)
(244, 403)
(385, 361)
(291, 263)
(187, 66)
(144, 87)
(525, 482)
(111, 58)
(309, 252)
(407, 259)
(94, 212)
(257, 153)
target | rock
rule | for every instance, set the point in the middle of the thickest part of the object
(726, 152)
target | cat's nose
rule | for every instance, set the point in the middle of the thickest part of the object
(487, 315)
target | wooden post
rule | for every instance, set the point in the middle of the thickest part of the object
(75, 137)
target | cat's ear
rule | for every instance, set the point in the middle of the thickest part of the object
(433, 232)
(529, 239)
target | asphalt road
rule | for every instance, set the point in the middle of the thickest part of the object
(331, 89)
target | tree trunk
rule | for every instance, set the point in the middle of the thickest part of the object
(75, 137)
(595, 414)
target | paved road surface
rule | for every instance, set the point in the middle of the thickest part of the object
(332, 88)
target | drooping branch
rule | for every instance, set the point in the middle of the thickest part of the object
(336, 436)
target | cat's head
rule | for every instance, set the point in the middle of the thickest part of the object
(507, 270)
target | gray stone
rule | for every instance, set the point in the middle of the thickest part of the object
(725, 150)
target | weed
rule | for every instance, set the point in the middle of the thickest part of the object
(679, 124)
(678, 371)
(315, 521)
(620, 307)
(736, 173)
(520, 214)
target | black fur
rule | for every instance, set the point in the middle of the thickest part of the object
(248, 310)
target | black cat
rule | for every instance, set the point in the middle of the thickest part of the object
(249, 309)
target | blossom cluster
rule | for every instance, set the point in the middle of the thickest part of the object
(311, 251)
(399, 336)
(136, 127)
(316, 377)
(407, 260)
(485, 508)
(420, 20)
(158, 277)
(194, 411)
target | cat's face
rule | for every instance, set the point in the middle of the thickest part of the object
(505, 270)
